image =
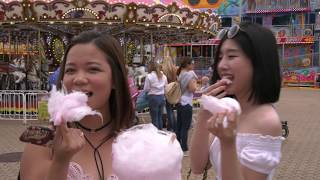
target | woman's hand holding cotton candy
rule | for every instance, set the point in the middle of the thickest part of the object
(216, 127)
(225, 111)
(67, 142)
(218, 89)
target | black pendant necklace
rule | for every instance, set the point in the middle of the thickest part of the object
(97, 156)
(93, 130)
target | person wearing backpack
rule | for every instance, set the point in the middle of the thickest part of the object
(154, 84)
(188, 84)
(170, 70)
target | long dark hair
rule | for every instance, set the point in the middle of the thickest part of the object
(120, 105)
(260, 45)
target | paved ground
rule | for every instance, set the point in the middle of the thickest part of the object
(300, 107)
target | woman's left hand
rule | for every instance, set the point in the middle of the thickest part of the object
(225, 134)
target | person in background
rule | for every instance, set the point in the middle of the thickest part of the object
(249, 148)
(154, 84)
(204, 83)
(188, 83)
(170, 70)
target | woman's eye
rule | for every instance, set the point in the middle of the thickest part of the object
(69, 70)
(94, 69)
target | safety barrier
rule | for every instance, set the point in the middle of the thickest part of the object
(22, 105)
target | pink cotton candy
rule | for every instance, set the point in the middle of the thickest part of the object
(68, 107)
(146, 153)
(215, 105)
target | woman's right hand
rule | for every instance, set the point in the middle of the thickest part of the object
(67, 142)
(218, 89)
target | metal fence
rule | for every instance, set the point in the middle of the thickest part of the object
(21, 105)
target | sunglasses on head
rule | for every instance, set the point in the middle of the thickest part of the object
(230, 32)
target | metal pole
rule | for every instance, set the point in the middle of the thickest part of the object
(9, 46)
(191, 48)
(40, 63)
(151, 49)
(141, 49)
(125, 48)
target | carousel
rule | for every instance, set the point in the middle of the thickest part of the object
(34, 33)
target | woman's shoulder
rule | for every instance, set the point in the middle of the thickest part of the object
(266, 121)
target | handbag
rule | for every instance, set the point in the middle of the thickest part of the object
(142, 101)
(172, 92)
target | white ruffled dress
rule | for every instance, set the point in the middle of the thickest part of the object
(257, 152)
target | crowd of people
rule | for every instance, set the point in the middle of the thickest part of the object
(246, 68)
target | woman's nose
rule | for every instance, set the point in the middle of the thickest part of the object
(222, 64)
(80, 79)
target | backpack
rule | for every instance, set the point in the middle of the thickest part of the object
(172, 91)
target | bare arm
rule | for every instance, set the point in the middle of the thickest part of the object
(201, 140)
(35, 162)
(199, 152)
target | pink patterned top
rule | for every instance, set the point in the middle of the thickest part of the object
(75, 172)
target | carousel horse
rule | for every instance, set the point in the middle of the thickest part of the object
(139, 76)
(26, 76)
(19, 74)
(33, 73)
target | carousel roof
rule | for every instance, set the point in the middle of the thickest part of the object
(164, 19)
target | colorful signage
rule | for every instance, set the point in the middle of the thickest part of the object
(305, 76)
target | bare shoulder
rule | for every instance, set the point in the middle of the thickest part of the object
(35, 162)
(268, 121)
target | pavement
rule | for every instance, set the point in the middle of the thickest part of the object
(300, 161)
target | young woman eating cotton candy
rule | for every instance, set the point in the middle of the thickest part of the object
(241, 143)
(97, 143)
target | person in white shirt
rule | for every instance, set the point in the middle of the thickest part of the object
(154, 84)
(249, 147)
